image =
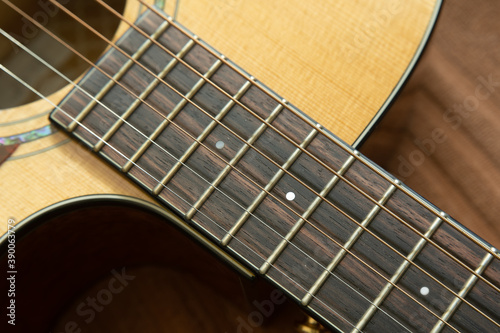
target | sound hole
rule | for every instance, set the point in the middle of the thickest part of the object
(31, 70)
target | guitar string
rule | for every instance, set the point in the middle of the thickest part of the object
(304, 118)
(341, 144)
(69, 81)
(284, 136)
(410, 262)
(88, 94)
(74, 84)
(198, 211)
(472, 271)
(176, 10)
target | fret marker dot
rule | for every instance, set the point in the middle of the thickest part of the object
(290, 196)
(219, 144)
(424, 291)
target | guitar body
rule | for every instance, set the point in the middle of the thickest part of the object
(318, 81)
(342, 63)
(90, 241)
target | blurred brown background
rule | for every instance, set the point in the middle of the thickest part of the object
(442, 136)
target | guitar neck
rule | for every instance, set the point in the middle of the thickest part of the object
(346, 240)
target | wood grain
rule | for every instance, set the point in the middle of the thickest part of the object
(367, 264)
(296, 66)
(266, 66)
(461, 172)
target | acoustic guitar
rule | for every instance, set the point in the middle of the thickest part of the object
(169, 175)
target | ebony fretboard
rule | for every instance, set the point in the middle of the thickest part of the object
(339, 235)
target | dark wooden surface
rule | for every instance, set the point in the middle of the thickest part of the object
(460, 172)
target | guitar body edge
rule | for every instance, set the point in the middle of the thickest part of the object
(73, 243)
(83, 214)
(402, 82)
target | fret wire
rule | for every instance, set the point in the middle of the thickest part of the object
(319, 300)
(347, 246)
(432, 277)
(200, 138)
(90, 63)
(69, 81)
(486, 280)
(335, 140)
(462, 294)
(340, 144)
(120, 153)
(175, 111)
(118, 75)
(74, 51)
(139, 132)
(397, 275)
(262, 195)
(279, 108)
(298, 225)
(232, 163)
(222, 58)
(149, 89)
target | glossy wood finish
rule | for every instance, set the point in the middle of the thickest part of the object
(198, 292)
